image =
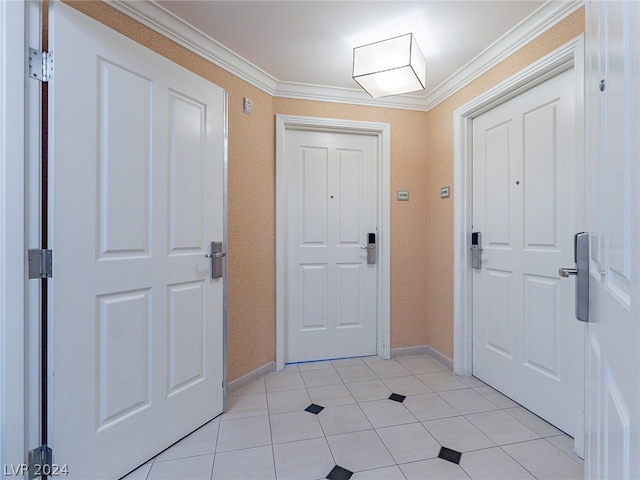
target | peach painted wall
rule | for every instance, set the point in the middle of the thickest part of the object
(439, 131)
(421, 229)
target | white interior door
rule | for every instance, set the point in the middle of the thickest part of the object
(613, 214)
(136, 195)
(526, 340)
(332, 204)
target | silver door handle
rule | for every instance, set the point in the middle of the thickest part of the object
(216, 257)
(581, 272)
(371, 249)
(567, 272)
(371, 253)
(476, 250)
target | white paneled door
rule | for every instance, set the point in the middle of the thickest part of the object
(332, 204)
(613, 215)
(136, 196)
(526, 340)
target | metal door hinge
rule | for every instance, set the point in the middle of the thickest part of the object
(40, 65)
(40, 263)
(40, 461)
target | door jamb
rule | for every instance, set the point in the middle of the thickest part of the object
(569, 55)
(383, 133)
(13, 366)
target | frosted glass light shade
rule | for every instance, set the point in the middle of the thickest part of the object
(390, 67)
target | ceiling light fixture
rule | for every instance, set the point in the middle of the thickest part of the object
(390, 67)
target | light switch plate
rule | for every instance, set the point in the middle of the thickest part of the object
(445, 192)
(247, 105)
(403, 195)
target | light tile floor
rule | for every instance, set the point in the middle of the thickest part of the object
(267, 433)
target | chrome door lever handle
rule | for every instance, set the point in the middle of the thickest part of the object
(566, 272)
(216, 257)
(581, 272)
(370, 247)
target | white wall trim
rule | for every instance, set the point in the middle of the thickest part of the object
(167, 24)
(157, 18)
(33, 228)
(569, 55)
(383, 132)
(249, 378)
(535, 25)
(12, 233)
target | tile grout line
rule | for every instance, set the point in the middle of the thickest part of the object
(414, 376)
(324, 435)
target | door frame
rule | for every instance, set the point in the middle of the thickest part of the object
(382, 131)
(13, 283)
(570, 55)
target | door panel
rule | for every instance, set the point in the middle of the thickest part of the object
(136, 197)
(332, 206)
(124, 163)
(123, 361)
(613, 219)
(187, 140)
(524, 332)
(315, 170)
(542, 325)
(540, 167)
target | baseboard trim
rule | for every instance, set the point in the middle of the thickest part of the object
(251, 377)
(267, 368)
(423, 350)
(409, 351)
(440, 358)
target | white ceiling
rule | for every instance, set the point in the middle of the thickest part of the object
(305, 48)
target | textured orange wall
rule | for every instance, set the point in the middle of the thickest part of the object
(439, 213)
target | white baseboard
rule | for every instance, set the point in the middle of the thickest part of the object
(251, 377)
(440, 358)
(267, 368)
(423, 350)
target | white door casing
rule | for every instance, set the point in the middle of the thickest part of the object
(136, 193)
(379, 133)
(524, 331)
(613, 220)
(567, 56)
(13, 404)
(332, 208)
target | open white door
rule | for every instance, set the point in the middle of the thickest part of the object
(613, 158)
(136, 195)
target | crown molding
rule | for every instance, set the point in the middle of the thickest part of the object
(531, 27)
(355, 96)
(167, 24)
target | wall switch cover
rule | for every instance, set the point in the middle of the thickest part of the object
(247, 105)
(445, 192)
(403, 195)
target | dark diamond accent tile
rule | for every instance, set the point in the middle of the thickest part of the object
(396, 397)
(339, 473)
(313, 408)
(449, 455)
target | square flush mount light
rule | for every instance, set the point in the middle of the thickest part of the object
(390, 67)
